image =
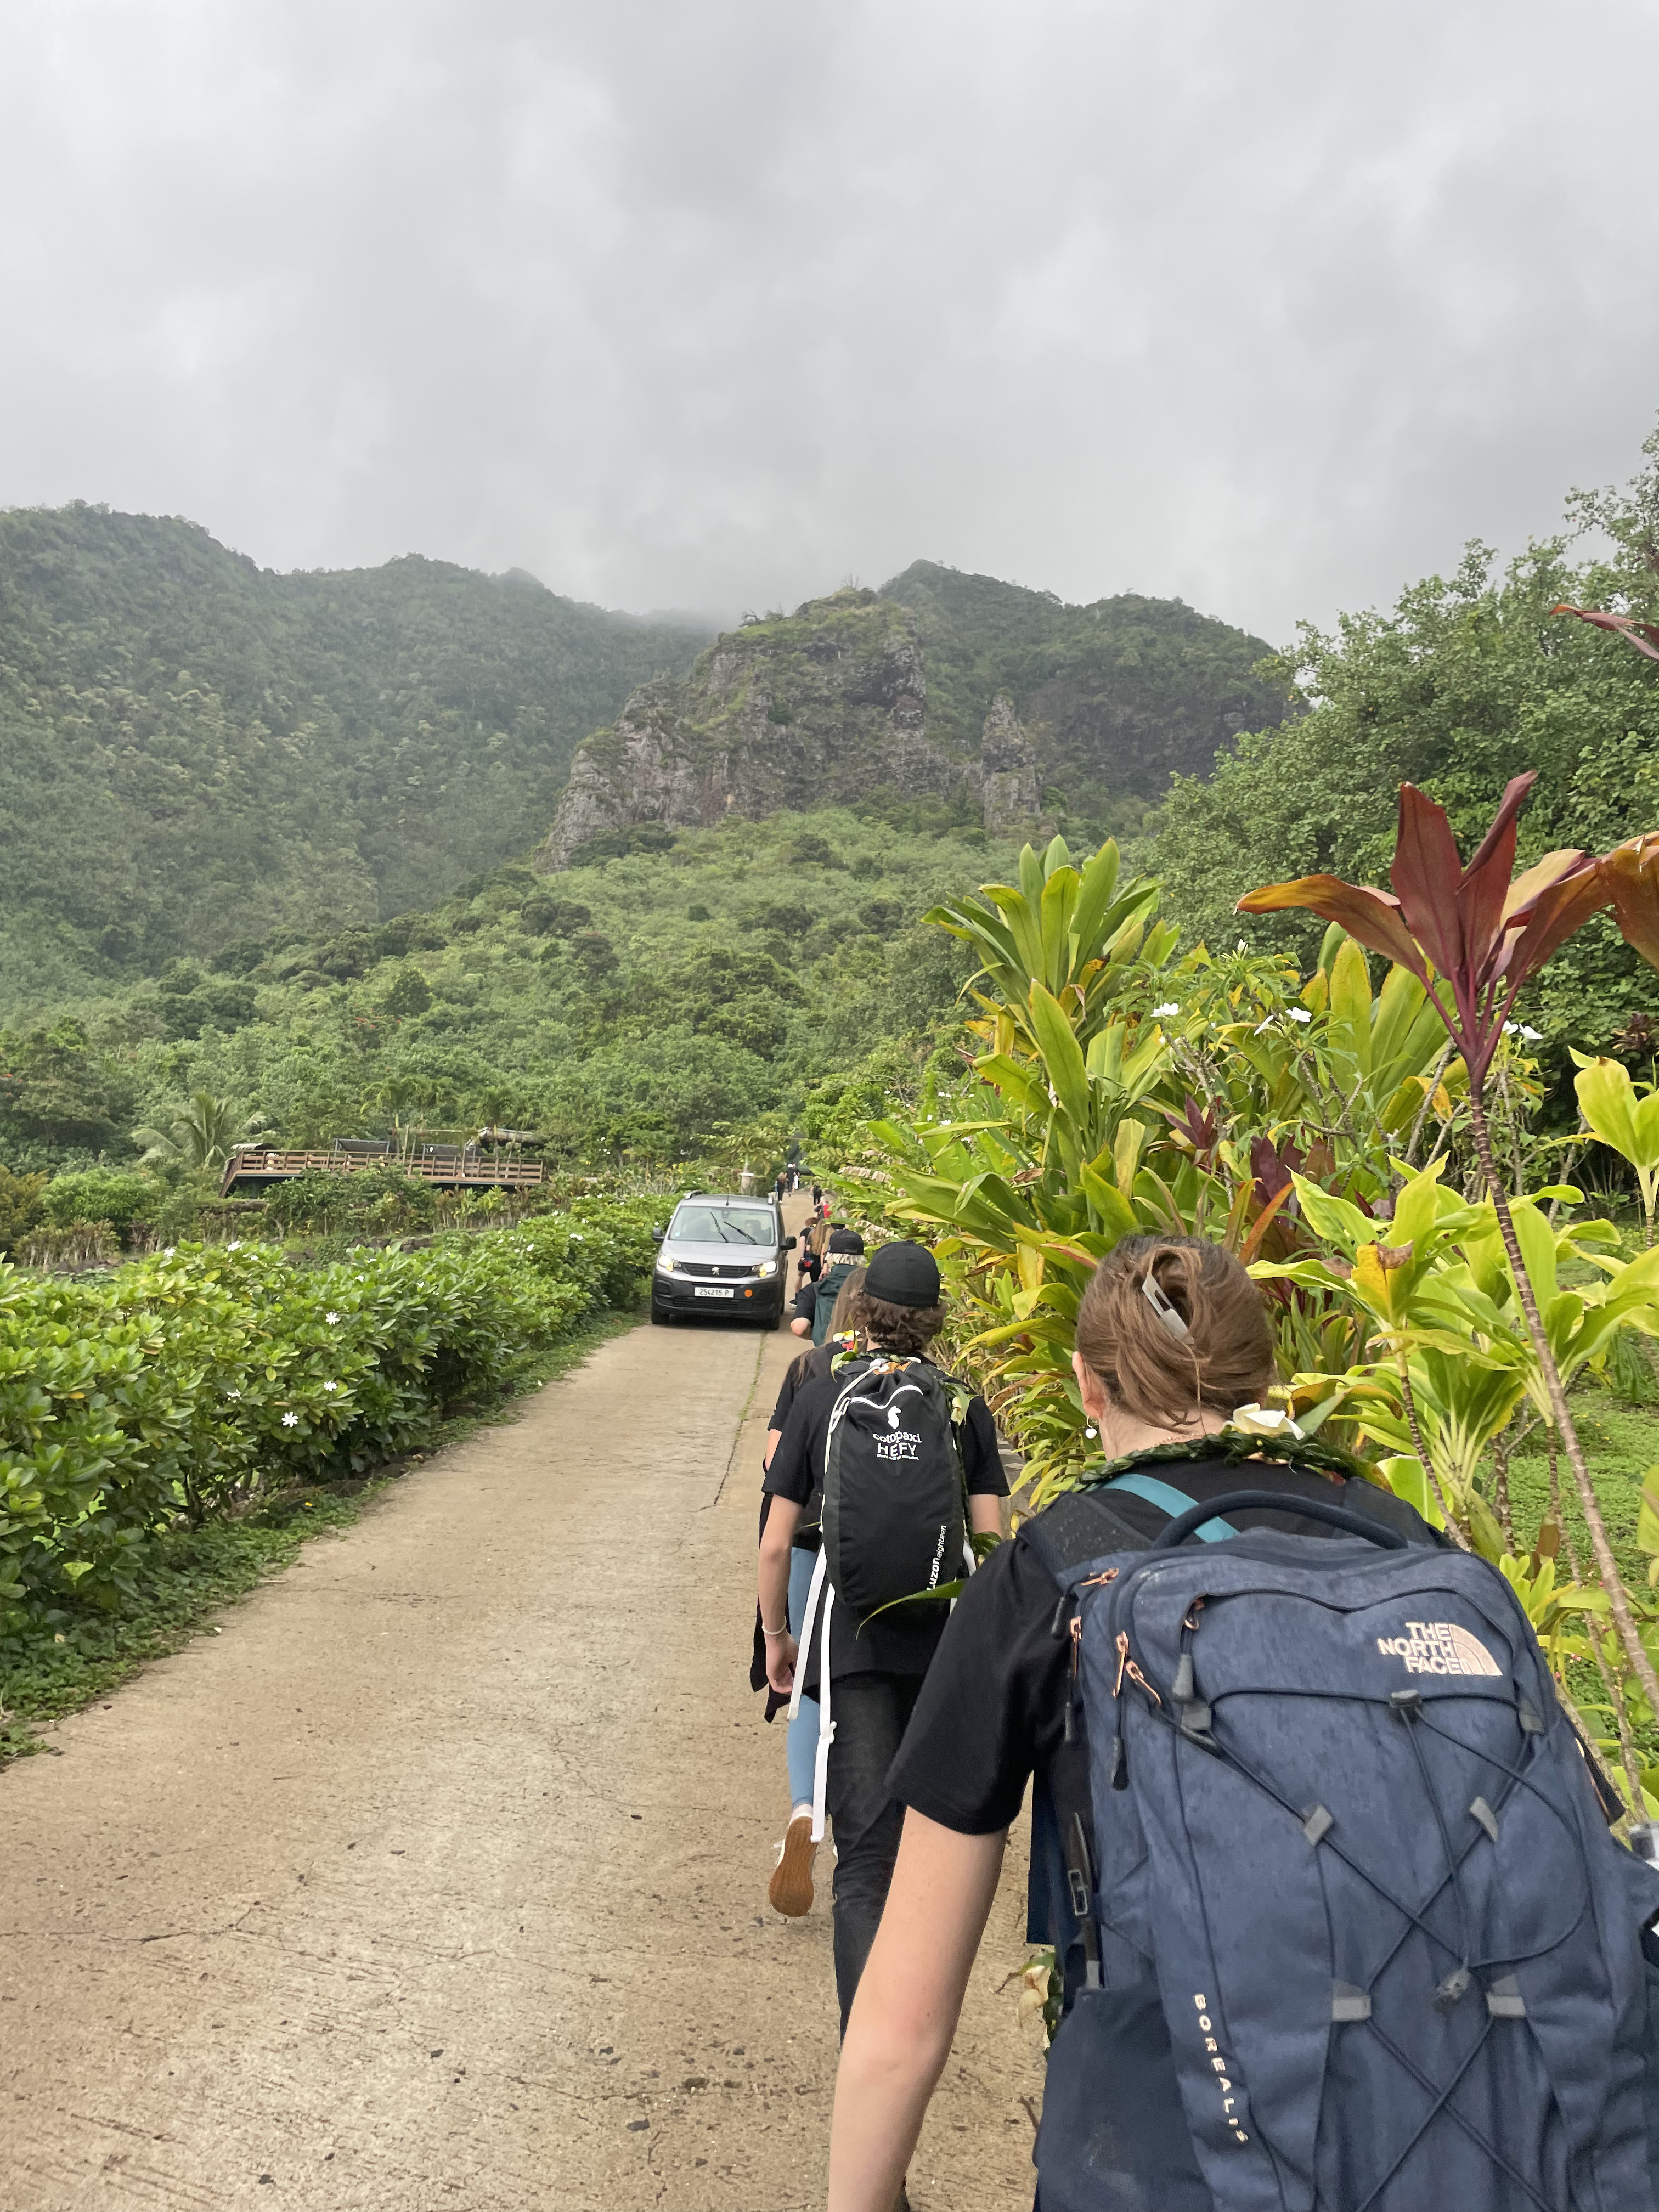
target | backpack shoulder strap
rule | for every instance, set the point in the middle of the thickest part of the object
(1083, 1525)
(1174, 1502)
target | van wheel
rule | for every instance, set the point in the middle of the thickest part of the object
(659, 1318)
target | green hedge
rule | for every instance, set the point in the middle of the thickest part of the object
(187, 1381)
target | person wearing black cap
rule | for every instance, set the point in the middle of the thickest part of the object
(815, 1301)
(877, 1665)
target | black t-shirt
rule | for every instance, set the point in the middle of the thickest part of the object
(807, 1367)
(992, 1710)
(894, 1644)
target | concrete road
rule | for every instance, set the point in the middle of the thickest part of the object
(438, 1877)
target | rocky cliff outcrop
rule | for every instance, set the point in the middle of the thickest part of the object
(823, 707)
(943, 685)
(1010, 786)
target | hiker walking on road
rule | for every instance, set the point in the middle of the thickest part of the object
(1316, 1901)
(908, 1445)
(791, 1889)
(815, 1300)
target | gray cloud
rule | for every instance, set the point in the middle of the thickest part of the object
(715, 302)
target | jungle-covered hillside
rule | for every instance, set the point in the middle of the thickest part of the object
(641, 1004)
(196, 751)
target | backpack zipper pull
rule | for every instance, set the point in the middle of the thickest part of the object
(1071, 1685)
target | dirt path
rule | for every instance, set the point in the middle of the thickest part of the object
(437, 1879)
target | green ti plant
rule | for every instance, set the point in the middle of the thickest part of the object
(1114, 1094)
(1474, 936)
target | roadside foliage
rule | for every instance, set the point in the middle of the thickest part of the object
(1407, 1227)
(187, 1383)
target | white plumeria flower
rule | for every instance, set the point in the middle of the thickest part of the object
(234, 1245)
(1298, 1013)
(1262, 1421)
(168, 1251)
(290, 1420)
(1170, 1006)
(331, 1386)
(331, 1318)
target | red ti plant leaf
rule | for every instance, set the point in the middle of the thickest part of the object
(1372, 917)
(1631, 873)
(1273, 1168)
(1196, 1128)
(1481, 933)
(1643, 635)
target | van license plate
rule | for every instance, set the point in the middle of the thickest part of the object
(703, 1290)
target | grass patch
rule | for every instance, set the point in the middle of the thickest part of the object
(191, 1573)
(1621, 1443)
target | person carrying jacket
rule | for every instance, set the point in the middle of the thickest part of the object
(790, 1890)
(877, 1666)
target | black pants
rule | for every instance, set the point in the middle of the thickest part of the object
(871, 1712)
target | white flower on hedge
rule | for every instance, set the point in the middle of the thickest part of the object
(330, 1319)
(331, 1386)
(1298, 1013)
(1170, 1006)
(232, 1393)
(290, 1420)
(234, 1245)
(1520, 1029)
(168, 1251)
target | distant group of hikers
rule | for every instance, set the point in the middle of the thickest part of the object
(1338, 1921)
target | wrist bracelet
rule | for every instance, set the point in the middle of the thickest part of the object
(765, 1630)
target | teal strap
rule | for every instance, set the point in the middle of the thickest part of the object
(1173, 1502)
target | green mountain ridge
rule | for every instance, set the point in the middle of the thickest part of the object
(195, 750)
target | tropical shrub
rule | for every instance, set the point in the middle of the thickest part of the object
(187, 1381)
(116, 1195)
(1117, 1089)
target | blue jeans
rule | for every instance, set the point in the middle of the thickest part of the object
(800, 1744)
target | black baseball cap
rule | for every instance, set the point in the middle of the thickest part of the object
(846, 1240)
(903, 1275)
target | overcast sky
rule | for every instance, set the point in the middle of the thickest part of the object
(714, 303)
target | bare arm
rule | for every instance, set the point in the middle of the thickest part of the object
(905, 2013)
(776, 1539)
(984, 1514)
(800, 1326)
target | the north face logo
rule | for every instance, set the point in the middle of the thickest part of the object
(1440, 1647)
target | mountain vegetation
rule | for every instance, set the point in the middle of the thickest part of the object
(1001, 703)
(641, 1004)
(195, 752)
(1114, 696)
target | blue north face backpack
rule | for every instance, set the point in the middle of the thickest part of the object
(1350, 1934)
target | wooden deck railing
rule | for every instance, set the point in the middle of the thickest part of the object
(478, 1174)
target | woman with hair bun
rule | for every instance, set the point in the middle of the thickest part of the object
(1172, 1339)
